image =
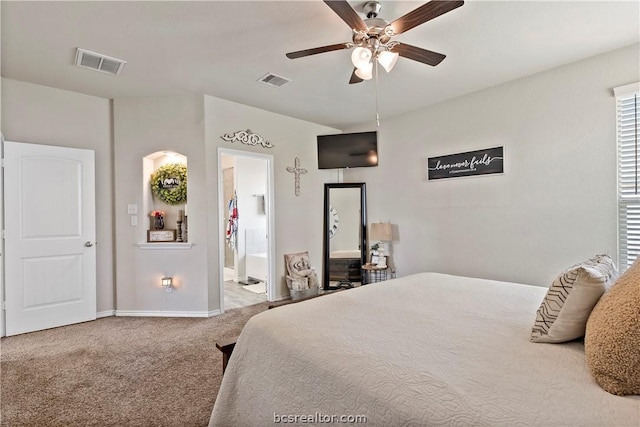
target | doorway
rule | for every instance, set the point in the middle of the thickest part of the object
(228, 185)
(245, 193)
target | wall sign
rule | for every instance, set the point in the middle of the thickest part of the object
(161, 236)
(471, 163)
(169, 183)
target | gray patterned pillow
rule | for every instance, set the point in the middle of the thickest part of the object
(298, 264)
(564, 311)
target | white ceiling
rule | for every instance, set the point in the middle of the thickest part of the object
(222, 48)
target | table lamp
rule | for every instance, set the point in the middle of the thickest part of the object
(381, 231)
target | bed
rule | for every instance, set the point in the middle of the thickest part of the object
(426, 349)
(345, 265)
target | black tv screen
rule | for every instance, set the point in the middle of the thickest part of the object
(348, 150)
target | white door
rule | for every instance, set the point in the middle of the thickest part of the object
(50, 258)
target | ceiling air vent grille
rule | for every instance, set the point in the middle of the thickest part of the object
(273, 80)
(98, 62)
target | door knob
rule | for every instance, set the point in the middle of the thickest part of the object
(88, 244)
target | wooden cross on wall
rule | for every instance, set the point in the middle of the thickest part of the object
(297, 170)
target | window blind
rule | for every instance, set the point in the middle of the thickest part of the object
(628, 130)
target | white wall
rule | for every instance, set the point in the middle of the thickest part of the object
(43, 115)
(143, 126)
(298, 219)
(555, 205)
(192, 126)
(2, 326)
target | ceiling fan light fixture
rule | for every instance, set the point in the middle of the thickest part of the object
(388, 60)
(366, 72)
(371, 37)
(360, 57)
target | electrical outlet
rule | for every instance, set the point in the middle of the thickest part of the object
(134, 220)
(132, 209)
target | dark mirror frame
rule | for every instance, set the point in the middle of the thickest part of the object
(363, 227)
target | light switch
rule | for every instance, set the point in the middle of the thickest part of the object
(132, 209)
(134, 220)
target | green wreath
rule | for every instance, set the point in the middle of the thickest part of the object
(169, 183)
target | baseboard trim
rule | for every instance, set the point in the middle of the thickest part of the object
(144, 313)
(106, 313)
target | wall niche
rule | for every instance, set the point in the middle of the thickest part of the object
(174, 207)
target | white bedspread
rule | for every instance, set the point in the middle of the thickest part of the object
(427, 349)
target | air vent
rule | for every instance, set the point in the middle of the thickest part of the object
(98, 62)
(273, 80)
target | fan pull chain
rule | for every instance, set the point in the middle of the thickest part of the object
(377, 114)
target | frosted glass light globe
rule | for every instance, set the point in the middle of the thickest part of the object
(366, 72)
(360, 57)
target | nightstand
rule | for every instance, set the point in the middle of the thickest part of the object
(371, 273)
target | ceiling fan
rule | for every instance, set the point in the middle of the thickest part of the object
(372, 37)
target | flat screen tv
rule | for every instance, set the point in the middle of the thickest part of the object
(348, 150)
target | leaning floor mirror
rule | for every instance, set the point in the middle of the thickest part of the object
(345, 235)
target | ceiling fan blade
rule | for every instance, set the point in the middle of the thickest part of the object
(315, 51)
(348, 15)
(424, 13)
(418, 54)
(354, 78)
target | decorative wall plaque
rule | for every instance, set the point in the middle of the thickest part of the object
(161, 236)
(247, 137)
(470, 163)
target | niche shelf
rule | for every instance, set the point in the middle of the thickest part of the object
(165, 246)
(150, 164)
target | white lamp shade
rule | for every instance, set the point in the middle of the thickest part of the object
(361, 56)
(366, 72)
(381, 231)
(388, 59)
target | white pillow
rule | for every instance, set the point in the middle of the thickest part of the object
(564, 311)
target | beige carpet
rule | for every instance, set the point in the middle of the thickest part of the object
(117, 371)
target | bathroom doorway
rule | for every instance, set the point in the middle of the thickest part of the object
(228, 187)
(245, 183)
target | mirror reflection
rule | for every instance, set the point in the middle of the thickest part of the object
(345, 235)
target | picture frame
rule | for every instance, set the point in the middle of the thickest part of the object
(158, 236)
(375, 259)
(382, 262)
